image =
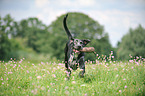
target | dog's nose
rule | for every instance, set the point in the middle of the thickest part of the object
(79, 47)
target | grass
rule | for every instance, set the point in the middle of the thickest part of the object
(49, 79)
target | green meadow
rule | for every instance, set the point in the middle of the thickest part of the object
(102, 78)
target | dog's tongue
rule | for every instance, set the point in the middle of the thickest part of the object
(76, 51)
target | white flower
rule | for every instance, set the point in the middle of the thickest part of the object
(73, 82)
(38, 77)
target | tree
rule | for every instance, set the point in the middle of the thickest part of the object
(36, 34)
(7, 31)
(132, 44)
(82, 27)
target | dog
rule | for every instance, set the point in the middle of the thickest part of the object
(74, 58)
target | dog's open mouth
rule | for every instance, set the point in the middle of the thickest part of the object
(76, 51)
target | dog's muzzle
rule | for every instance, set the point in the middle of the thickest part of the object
(78, 47)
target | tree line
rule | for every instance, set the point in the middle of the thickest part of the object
(32, 36)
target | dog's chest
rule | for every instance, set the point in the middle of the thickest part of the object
(73, 62)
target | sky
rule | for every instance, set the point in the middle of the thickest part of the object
(117, 16)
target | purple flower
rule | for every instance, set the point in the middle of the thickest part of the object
(14, 66)
(53, 75)
(27, 71)
(125, 86)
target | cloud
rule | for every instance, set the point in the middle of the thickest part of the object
(86, 3)
(41, 3)
(117, 22)
(49, 15)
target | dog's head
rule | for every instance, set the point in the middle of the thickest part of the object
(78, 44)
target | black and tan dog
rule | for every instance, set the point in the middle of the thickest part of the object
(74, 58)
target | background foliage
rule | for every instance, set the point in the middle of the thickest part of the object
(29, 38)
(132, 44)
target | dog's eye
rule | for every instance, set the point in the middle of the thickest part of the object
(81, 42)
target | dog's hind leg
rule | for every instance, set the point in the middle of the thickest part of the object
(68, 70)
(68, 73)
(82, 66)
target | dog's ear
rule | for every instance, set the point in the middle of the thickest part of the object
(86, 41)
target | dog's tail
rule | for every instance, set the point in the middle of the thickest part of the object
(66, 28)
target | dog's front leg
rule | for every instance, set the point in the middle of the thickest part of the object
(68, 73)
(68, 70)
(82, 66)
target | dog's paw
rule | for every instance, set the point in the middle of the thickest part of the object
(81, 75)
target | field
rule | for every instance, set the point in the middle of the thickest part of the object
(111, 78)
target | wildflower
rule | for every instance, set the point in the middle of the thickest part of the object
(53, 75)
(83, 85)
(73, 82)
(124, 79)
(48, 72)
(120, 91)
(113, 82)
(65, 79)
(115, 68)
(117, 75)
(22, 68)
(10, 72)
(111, 52)
(42, 88)
(30, 77)
(14, 66)
(34, 91)
(42, 63)
(112, 56)
(20, 61)
(2, 83)
(130, 55)
(137, 57)
(131, 61)
(66, 92)
(125, 86)
(38, 77)
(27, 71)
(86, 94)
(66, 87)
